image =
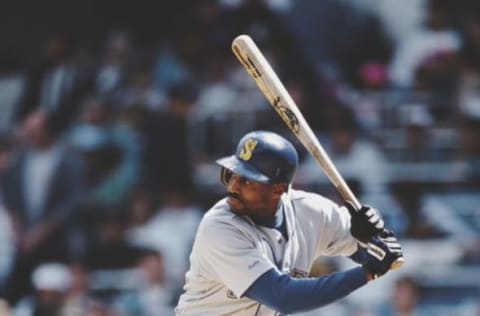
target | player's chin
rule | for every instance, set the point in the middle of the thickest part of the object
(235, 204)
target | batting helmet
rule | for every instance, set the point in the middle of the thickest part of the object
(263, 157)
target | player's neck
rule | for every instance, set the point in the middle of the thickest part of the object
(276, 221)
(271, 221)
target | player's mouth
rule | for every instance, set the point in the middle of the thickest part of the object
(234, 199)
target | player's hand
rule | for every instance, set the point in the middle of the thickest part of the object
(365, 223)
(381, 252)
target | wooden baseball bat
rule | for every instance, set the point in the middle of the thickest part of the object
(268, 82)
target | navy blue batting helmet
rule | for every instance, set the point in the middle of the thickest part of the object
(263, 157)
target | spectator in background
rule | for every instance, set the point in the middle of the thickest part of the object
(139, 119)
(357, 159)
(424, 53)
(51, 282)
(372, 76)
(416, 143)
(151, 296)
(367, 55)
(404, 299)
(109, 248)
(110, 149)
(409, 198)
(471, 148)
(113, 69)
(57, 84)
(43, 188)
(7, 241)
(141, 206)
(469, 52)
(99, 309)
(78, 300)
(4, 308)
(388, 13)
(218, 93)
(468, 154)
(170, 230)
(169, 69)
(140, 90)
(167, 158)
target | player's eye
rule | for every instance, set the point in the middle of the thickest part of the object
(241, 180)
(244, 181)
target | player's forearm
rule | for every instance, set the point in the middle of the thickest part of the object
(290, 295)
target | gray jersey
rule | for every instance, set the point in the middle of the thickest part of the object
(230, 252)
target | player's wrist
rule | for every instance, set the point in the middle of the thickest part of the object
(368, 275)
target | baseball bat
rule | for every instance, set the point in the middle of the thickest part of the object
(268, 82)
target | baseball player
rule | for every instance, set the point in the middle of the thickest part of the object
(254, 248)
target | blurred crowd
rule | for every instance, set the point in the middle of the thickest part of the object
(107, 143)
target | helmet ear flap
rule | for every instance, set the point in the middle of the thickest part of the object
(225, 175)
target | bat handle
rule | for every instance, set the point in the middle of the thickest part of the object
(348, 195)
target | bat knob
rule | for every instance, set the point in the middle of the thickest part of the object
(397, 264)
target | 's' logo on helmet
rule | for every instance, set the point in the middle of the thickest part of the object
(247, 150)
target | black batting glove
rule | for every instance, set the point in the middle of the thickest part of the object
(380, 253)
(365, 223)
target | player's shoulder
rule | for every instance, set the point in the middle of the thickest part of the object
(220, 219)
(312, 202)
(306, 197)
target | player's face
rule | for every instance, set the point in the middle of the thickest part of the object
(247, 197)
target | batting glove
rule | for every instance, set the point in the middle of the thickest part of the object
(365, 223)
(380, 253)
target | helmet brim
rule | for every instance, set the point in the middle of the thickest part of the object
(242, 168)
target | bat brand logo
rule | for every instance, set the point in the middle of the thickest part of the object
(287, 115)
(255, 72)
(247, 150)
(247, 62)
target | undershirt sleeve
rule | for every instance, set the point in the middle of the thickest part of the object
(292, 295)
